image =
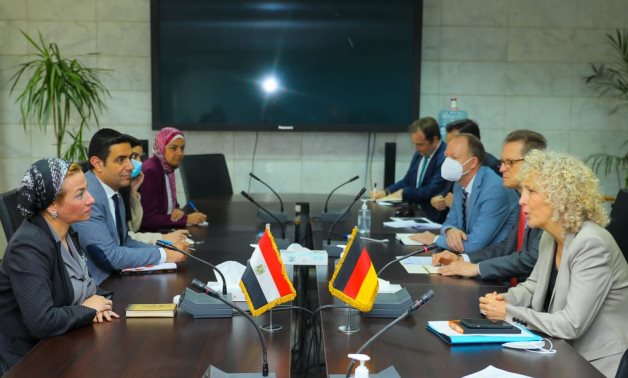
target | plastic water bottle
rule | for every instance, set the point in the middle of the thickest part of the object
(450, 115)
(364, 218)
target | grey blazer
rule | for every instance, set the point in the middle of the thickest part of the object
(501, 261)
(99, 238)
(589, 304)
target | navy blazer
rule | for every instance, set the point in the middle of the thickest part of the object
(432, 184)
(492, 211)
(99, 238)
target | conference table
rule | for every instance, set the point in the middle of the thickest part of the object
(184, 347)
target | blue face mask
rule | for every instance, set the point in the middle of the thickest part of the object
(137, 168)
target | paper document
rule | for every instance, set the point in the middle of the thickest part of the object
(405, 239)
(150, 268)
(419, 265)
(296, 254)
(391, 198)
(401, 224)
(493, 372)
(420, 223)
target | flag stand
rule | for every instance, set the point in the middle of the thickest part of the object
(348, 328)
(270, 327)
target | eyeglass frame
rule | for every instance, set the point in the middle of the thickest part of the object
(509, 162)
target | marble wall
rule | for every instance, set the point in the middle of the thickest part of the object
(512, 64)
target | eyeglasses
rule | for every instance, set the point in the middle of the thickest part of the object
(509, 162)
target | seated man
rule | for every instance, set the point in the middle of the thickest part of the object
(423, 180)
(104, 236)
(442, 201)
(517, 254)
(483, 211)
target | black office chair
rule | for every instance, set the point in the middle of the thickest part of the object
(205, 176)
(622, 370)
(619, 221)
(10, 216)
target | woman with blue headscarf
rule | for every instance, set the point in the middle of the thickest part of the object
(45, 288)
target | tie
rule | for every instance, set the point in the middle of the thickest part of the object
(425, 163)
(116, 203)
(521, 228)
(464, 210)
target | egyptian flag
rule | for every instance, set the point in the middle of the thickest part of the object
(355, 280)
(265, 283)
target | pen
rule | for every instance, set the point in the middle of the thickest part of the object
(191, 204)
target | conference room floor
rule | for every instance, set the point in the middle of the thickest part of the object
(185, 347)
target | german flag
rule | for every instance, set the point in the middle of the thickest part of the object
(355, 280)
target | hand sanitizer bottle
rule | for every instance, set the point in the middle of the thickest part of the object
(361, 371)
(364, 219)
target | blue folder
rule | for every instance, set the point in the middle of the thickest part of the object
(526, 335)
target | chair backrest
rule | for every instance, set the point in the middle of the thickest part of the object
(619, 221)
(10, 216)
(622, 370)
(205, 176)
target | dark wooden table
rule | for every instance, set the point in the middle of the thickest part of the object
(184, 347)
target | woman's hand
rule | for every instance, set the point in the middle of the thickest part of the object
(136, 183)
(176, 215)
(493, 306)
(105, 315)
(196, 218)
(102, 306)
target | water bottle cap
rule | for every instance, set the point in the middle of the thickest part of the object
(453, 103)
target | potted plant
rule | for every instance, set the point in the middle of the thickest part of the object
(611, 80)
(57, 88)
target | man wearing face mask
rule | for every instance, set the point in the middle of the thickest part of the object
(483, 210)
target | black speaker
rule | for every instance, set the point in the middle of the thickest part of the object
(390, 156)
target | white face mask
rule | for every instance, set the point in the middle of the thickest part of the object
(451, 170)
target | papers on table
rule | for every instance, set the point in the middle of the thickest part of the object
(390, 199)
(492, 372)
(419, 265)
(157, 268)
(387, 287)
(405, 239)
(418, 224)
(296, 254)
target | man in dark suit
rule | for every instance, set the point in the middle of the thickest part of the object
(517, 254)
(423, 179)
(104, 236)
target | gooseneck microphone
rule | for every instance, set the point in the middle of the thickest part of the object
(357, 197)
(198, 285)
(415, 306)
(283, 227)
(338, 187)
(425, 249)
(170, 246)
(268, 186)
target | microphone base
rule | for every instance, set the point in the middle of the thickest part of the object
(389, 372)
(390, 305)
(202, 306)
(333, 250)
(283, 218)
(214, 372)
(331, 216)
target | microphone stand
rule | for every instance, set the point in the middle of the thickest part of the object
(333, 250)
(281, 216)
(330, 216)
(281, 243)
(390, 305)
(417, 304)
(168, 245)
(198, 285)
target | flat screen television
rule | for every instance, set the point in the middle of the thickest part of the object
(344, 65)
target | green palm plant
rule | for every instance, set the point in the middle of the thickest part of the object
(611, 80)
(55, 88)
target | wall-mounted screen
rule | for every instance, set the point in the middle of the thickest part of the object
(304, 65)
